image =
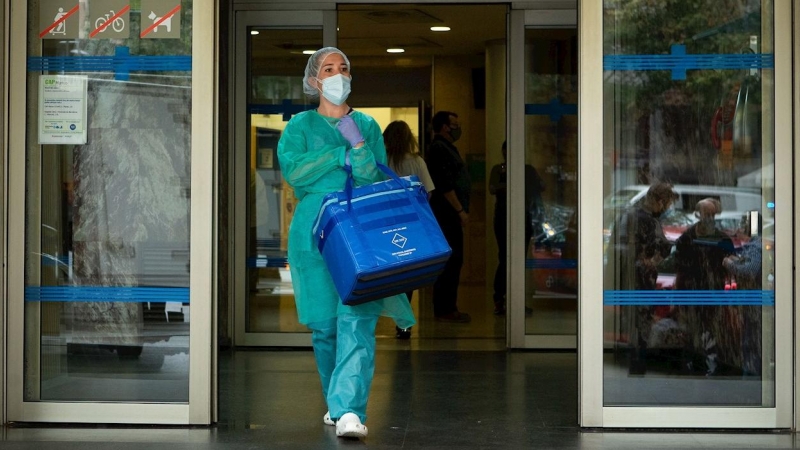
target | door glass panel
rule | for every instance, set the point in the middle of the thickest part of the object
(551, 181)
(108, 213)
(275, 81)
(689, 206)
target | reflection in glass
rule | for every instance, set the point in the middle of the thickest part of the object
(688, 212)
(551, 181)
(107, 311)
(275, 91)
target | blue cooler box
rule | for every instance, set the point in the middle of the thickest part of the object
(384, 242)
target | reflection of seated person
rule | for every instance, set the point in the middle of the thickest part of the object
(746, 269)
(533, 206)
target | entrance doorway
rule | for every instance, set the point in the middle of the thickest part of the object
(406, 70)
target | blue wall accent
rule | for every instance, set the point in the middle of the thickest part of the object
(691, 298)
(105, 294)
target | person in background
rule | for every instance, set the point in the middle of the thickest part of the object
(450, 205)
(637, 245)
(701, 249)
(401, 149)
(746, 269)
(699, 255)
(745, 266)
(313, 150)
(534, 186)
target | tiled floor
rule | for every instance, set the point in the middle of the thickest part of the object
(435, 399)
(451, 386)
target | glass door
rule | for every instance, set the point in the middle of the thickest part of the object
(544, 127)
(686, 320)
(110, 256)
(272, 50)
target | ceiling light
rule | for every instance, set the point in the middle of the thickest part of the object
(440, 28)
(254, 32)
(395, 50)
(309, 52)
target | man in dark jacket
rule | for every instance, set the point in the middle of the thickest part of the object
(637, 245)
(699, 256)
(450, 205)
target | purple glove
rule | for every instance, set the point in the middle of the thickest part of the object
(347, 126)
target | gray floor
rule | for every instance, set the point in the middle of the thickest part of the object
(432, 399)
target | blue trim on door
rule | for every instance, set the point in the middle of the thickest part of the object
(106, 294)
(678, 61)
(554, 108)
(551, 263)
(689, 298)
(121, 64)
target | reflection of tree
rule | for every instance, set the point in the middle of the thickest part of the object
(666, 122)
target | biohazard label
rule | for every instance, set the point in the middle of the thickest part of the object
(399, 240)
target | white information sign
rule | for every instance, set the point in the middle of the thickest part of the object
(62, 109)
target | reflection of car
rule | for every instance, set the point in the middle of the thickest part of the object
(733, 200)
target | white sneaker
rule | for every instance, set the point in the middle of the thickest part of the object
(349, 425)
(326, 419)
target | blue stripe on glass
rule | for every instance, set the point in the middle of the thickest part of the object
(555, 109)
(693, 298)
(105, 294)
(121, 64)
(50, 260)
(679, 62)
(286, 107)
(551, 263)
(263, 261)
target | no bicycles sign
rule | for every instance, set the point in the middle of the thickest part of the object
(109, 19)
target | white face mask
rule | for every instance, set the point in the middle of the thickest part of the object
(336, 88)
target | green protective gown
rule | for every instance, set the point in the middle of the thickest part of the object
(312, 153)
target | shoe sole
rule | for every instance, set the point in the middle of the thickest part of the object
(352, 430)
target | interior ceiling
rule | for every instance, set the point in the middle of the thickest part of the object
(366, 31)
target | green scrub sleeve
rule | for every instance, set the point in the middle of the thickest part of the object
(363, 159)
(303, 167)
